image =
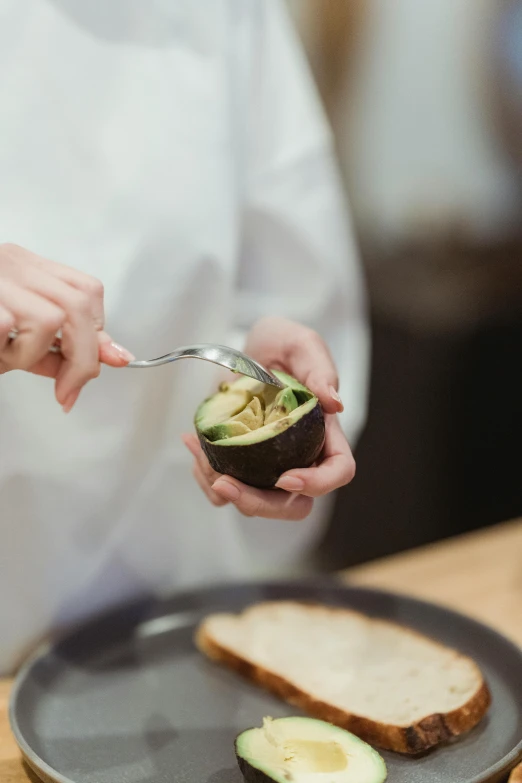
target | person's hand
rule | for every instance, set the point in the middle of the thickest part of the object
(281, 344)
(38, 298)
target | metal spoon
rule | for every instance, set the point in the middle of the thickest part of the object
(217, 354)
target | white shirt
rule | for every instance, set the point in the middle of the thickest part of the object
(176, 151)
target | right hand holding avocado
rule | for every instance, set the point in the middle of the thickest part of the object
(38, 298)
(296, 350)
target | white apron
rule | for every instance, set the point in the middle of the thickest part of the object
(175, 150)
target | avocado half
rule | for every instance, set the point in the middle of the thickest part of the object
(255, 432)
(301, 750)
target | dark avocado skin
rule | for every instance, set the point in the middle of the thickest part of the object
(250, 773)
(261, 464)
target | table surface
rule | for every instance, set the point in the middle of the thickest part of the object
(479, 574)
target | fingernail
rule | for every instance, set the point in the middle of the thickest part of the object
(290, 484)
(226, 490)
(70, 400)
(335, 396)
(122, 353)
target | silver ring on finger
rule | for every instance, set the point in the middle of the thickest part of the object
(54, 347)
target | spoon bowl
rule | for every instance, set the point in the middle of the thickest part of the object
(217, 354)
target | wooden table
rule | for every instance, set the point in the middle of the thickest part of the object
(479, 574)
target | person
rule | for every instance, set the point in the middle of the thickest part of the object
(177, 153)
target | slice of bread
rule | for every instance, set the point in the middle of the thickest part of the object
(389, 685)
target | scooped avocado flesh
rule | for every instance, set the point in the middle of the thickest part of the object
(256, 432)
(263, 411)
(250, 418)
(305, 750)
(284, 403)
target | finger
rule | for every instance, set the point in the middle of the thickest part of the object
(90, 286)
(312, 363)
(111, 353)
(50, 364)
(333, 473)
(70, 401)
(37, 321)
(281, 343)
(250, 501)
(7, 324)
(267, 503)
(22, 259)
(192, 443)
(79, 339)
(194, 446)
(336, 469)
(215, 499)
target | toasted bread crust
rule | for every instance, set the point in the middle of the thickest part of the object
(516, 775)
(415, 739)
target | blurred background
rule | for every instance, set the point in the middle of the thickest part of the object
(425, 101)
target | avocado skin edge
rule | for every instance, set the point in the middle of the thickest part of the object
(250, 773)
(261, 464)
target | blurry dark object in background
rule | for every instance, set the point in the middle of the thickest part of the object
(486, 462)
(441, 454)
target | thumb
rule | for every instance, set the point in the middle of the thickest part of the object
(324, 386)
(313, 365)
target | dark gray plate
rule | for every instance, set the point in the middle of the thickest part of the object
(127, 699)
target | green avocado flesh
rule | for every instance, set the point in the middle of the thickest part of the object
(248, 411)
(305, 750)
(255, 432)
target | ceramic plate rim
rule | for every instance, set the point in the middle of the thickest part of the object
(338, 584)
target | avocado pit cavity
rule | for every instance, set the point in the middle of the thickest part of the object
(306, 750)
(259, 409)
(304, 754)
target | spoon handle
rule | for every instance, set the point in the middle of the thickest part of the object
(226, 357)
